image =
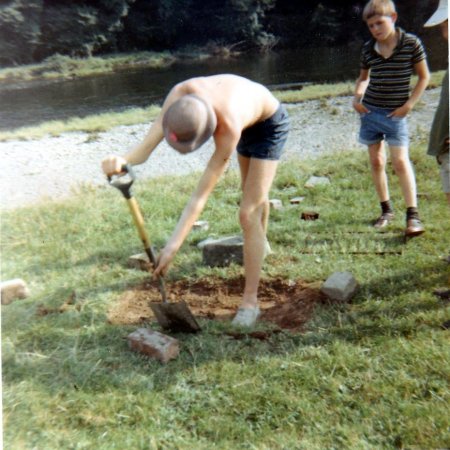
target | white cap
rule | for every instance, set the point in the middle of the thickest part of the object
(439, 16)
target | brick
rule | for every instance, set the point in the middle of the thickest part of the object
(309, 215)
(154, 344)
(223, 252)
(296, 200)
(13, 290)
(340, 286)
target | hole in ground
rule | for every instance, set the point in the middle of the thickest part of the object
(287, 304)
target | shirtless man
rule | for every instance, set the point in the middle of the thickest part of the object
(239, 114)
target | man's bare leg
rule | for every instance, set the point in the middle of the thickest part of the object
(257, 180)
(244, 164)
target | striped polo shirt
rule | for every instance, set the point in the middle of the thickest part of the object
(390, 77)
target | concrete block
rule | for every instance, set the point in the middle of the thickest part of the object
(154, 344)
(202, 225)
(13, 290)
(140, 262)
(317, 181)
(340, 286)
(206, 241)
(275, 203)
(223, 252)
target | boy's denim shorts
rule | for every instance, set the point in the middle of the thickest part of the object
(265, 140)
(376, 126)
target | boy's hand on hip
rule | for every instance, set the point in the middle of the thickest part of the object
(360, 108)
(401, 112)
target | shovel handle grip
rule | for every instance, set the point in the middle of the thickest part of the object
(122, 182)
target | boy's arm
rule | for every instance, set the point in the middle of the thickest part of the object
(225, 145)
(360, 88)
(423, 74)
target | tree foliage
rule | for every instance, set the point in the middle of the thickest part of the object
(31, 30)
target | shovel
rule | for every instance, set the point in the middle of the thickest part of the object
(171, 316)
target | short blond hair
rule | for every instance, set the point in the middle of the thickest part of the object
(378, 8)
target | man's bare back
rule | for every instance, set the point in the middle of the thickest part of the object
(232, 97)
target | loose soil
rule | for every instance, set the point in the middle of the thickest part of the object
(286, 304)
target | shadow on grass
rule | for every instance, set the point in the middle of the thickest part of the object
(96, 357)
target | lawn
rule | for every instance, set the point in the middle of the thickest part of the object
(370, 374)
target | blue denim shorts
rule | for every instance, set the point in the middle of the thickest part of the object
(265, 140)
(376, 126)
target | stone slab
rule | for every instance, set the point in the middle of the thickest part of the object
(317, 181)
(222, 252)
(340, 286)
(140, 262)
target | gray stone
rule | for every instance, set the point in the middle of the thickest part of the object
(222, 252)
(317, 181)
(139, 262)
(201, 225)
(340, 286)
(206, 241)
(275, 203)
(154, 344)
(13, 290)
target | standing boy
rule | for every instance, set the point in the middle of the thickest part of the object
(438, 144)
(240, 114)
(383, 100)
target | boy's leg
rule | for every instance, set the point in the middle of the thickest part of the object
(377, 157)
(404, 170)
(257, 177)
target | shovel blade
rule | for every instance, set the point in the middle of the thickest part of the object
(175, 317)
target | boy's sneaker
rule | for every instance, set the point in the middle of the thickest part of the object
(246, 317)
(383, 220)
(414, 227)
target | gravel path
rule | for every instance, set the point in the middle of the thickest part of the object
(53, 167)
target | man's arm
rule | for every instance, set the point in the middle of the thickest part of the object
(423, 74)
(225, 145)
(360, 88)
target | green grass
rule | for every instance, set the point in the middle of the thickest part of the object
(372, 374)
(66, 67)
(103, 122)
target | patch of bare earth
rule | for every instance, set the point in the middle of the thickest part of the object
(288, 305)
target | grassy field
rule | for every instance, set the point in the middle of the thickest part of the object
(103, 122)
(372, 374)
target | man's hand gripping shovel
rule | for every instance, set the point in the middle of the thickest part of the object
(171, 316)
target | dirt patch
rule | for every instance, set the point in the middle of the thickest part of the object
(289, 305)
